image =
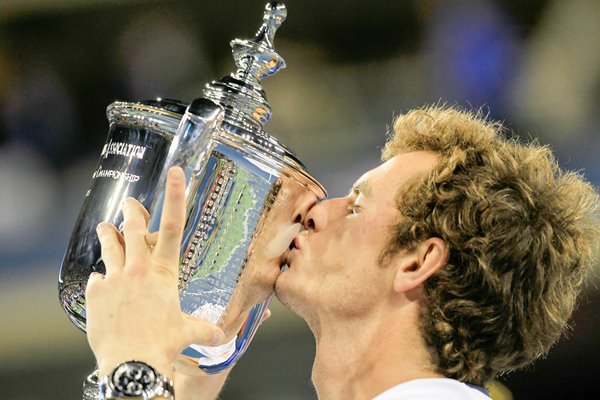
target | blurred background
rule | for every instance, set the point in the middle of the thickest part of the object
(352, 66)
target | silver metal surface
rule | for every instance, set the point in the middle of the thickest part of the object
(130, 164)
(241, 94)
(243, 189)
(91, 387)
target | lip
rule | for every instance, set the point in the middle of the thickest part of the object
(294, 248)
(296, 242)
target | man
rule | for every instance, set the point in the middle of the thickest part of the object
(458, 259)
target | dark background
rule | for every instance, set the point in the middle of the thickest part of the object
(352, 66)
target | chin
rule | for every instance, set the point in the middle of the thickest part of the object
(293, 301)
(282, 285)
(289, 294)
(287, 300)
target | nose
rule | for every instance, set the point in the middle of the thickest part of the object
(322, 213)
(301, 206)
(309, 221)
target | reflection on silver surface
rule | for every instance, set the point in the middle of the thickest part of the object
(91, 387)
(130, 165)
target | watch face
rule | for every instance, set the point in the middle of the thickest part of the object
(133, 378)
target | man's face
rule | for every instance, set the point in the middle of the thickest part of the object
(333, 269)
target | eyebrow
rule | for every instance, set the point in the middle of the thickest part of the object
(361, 187)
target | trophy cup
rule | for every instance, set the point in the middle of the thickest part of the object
(243, 189)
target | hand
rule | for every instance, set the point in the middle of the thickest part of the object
(133, 313)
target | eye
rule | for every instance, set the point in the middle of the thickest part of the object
(353, 209)
(355, 206)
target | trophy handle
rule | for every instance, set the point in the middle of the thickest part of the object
(190, 149)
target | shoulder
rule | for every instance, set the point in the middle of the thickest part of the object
(431, 389)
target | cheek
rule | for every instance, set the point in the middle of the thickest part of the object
(352, 293)
(376, 237)
(339, 254)
(364, 243)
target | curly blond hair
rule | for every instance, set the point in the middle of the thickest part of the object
(521, 234)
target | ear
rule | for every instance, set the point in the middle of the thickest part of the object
(415, 267)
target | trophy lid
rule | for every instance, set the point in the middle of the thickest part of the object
(241, 94)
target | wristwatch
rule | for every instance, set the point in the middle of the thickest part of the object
(136, 379)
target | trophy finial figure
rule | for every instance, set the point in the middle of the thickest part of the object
(275, 14)
(241, 94)
(256, 58)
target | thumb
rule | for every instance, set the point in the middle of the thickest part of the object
(266, 315)
(281, 242)
(202, 332)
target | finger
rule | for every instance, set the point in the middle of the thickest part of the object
(172, 221)
(280, 243)
(151, 239)
(145, 213)
(143, 210)
(200, 331)
(266, 315)
(112, 251)
(134, 229)
(93, 281)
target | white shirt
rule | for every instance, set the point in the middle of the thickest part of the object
(432, 389)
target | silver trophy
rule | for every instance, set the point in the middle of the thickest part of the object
(244, 188)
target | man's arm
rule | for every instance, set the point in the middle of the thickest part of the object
(205, 387)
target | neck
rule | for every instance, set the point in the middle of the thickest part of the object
(358, 358)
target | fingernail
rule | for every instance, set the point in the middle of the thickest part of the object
(176, 174)
(100, 227)
(218, 337)
(96, 275)
(124, 203)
